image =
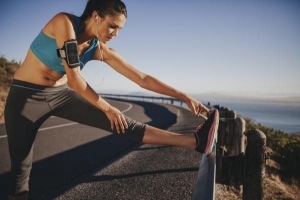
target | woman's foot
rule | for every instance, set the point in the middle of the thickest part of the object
(206, 133)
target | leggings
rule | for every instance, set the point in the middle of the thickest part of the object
(29, 105)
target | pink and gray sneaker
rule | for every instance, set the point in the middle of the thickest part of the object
(206, 133)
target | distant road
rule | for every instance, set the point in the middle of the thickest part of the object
(65, 151)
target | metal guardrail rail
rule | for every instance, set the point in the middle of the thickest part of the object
(205, 184)
(138, 97)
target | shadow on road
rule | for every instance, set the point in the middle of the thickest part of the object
(112, 177)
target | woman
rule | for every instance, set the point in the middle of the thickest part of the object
(40, 89)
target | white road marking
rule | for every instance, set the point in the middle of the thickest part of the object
(57, 126)
(130, 106)
(73, 123)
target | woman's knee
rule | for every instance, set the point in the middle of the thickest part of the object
(136, 130)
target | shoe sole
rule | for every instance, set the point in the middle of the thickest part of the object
(212, 134)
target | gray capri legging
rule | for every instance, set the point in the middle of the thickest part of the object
(29, 105)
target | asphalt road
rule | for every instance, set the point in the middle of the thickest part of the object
(73, 161)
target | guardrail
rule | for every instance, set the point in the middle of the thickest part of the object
(241, 155)
(238, 157)
(140, 97)
(205, 183)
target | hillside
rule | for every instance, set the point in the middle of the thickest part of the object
(277, 185)
(7, 70)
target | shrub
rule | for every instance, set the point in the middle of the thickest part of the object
(287, 145)
(7, 70)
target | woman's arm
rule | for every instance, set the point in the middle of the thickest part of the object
(63, 31)
(113, 59)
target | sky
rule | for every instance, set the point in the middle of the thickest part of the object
(232, 47)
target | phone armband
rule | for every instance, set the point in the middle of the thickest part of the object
(69, 52)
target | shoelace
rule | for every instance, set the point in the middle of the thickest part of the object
(200, 126)
(195, 133)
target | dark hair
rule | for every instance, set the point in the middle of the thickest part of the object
(104, 8)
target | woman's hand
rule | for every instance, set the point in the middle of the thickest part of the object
(196, 106)
(117, 119)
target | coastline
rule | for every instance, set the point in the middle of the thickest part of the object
(279, 116)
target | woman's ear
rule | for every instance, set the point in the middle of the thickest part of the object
(96, 17)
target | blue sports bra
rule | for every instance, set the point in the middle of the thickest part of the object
(44, 48)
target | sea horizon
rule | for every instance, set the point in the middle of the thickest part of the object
(279, 116)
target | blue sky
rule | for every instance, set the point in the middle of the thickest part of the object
(234, 47)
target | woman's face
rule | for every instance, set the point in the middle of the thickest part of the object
(109, 27)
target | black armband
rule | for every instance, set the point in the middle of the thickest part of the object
(69, 52)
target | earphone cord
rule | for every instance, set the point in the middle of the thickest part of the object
(101, 54)
(100, 59)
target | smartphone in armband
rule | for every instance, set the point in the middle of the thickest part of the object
(69, 52)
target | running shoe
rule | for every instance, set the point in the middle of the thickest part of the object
(206, 133)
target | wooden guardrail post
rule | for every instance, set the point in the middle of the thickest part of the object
(239, 138)
(231, 146)
(255, 159)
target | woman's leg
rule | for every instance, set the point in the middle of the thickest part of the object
(158, 136)
(25, 111)
(77, 109)
(70, 105)
(201, 140)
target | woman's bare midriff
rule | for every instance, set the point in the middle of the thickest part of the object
(34, 71)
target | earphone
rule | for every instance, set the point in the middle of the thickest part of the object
(101, 54)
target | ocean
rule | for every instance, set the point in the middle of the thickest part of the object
(278, 116)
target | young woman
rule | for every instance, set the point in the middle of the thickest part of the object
(49, 83)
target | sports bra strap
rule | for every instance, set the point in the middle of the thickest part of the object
(77, 22)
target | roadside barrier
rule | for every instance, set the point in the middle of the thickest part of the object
(145, 98)
(241, 155)
(205, 183)
(238, 158)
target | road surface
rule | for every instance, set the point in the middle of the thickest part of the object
(74, 161)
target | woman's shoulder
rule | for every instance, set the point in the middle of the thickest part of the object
(63, 16)
(59, 22)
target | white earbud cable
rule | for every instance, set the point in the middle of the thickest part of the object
(100, 59)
